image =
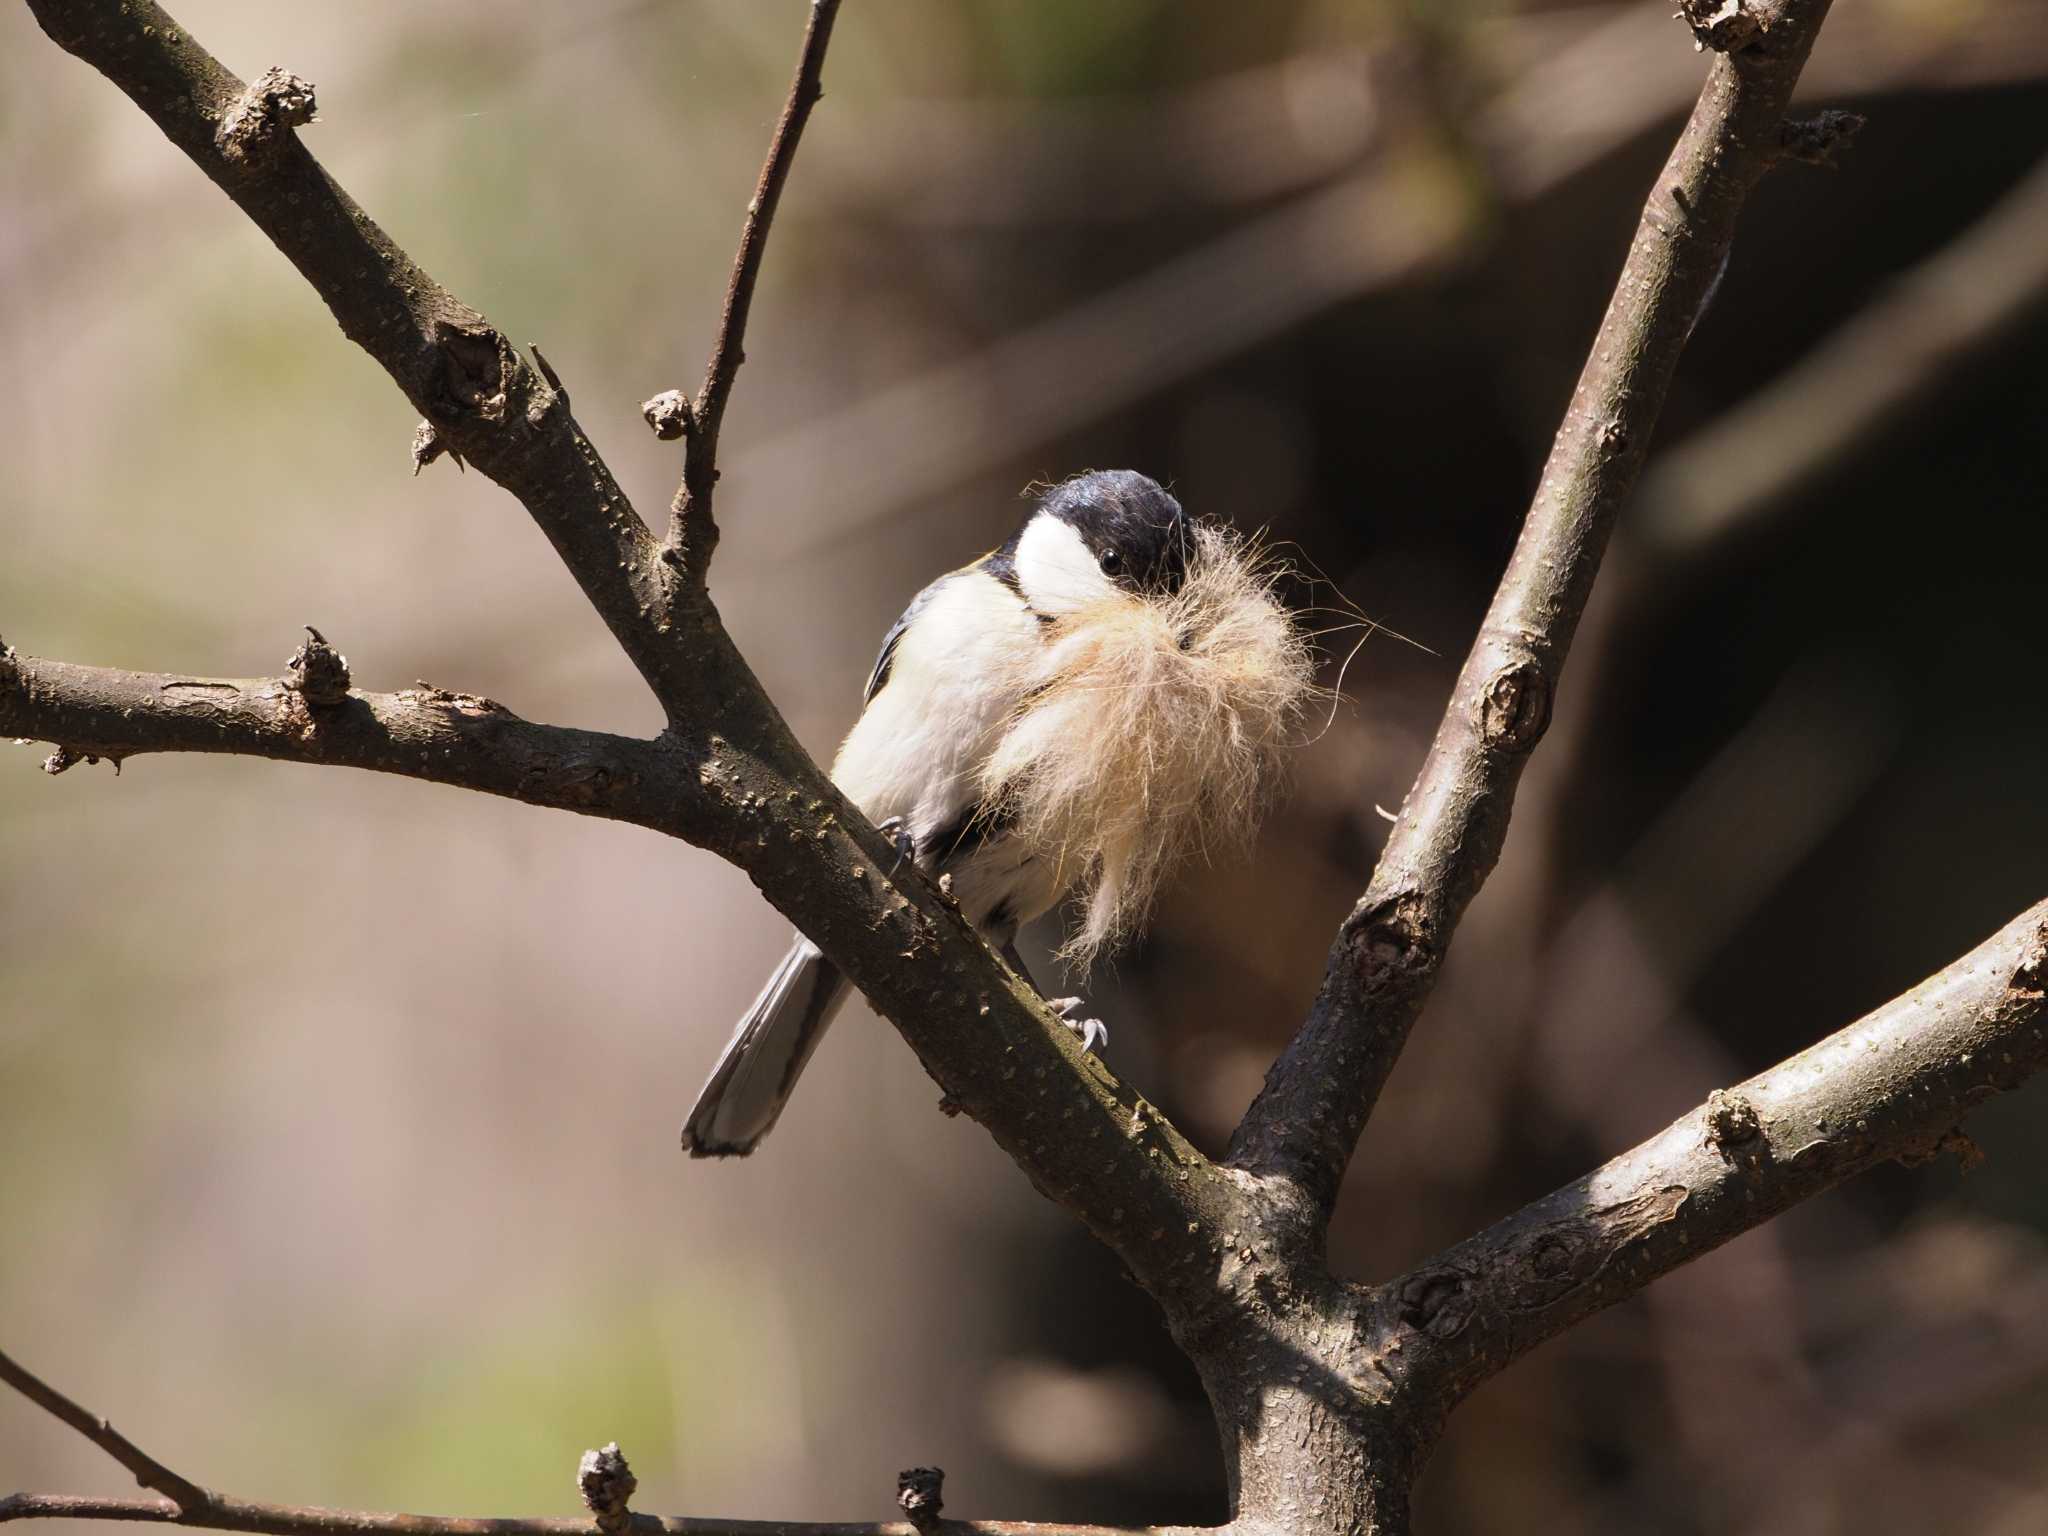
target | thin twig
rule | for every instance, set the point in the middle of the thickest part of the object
(186, 1503)
(692, 530)
(149, 1472)
(1388, 952)
(219, 1513)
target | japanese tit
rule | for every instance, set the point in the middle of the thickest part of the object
(1063, 715)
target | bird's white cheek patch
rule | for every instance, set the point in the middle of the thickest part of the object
(1056, 570)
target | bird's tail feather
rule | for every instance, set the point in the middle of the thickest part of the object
(760, 1065)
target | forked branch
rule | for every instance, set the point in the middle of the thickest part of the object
(186, 1503)
(728, 775)
(1233, 1253)
(1389, 951)
(1895, 1085)
(691, 529)
(178, 1494)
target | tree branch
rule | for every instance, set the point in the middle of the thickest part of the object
(692, 531)
(422, 732)
(1084, 1138)
(1894, 1085)
(189, 1504)
(179, 1495)
(1388, 952)
(226, 1514)
(742, 785)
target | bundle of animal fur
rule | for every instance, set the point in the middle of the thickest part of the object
(1153, 728)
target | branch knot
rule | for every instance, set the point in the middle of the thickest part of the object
(918, 1491)
(606, 1483)
(427, 446)
(670, 415)
(1437, 1302)
(318, 672)
(1732, 1121)
(1514, 709)
(1391, 940)
(64, 759)
(2031, 975)
(274, 102)
(475, 369)
(1726, 26)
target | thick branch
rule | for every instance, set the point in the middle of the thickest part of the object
(737, 782)
(1895, 1085)
(1084, 1138)
(1388, 952)
(691, 528)
(422, 732)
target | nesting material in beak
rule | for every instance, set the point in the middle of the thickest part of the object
(1154, 727)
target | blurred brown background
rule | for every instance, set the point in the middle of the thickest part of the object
(338, 1158)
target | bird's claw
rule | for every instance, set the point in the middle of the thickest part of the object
(906, 845)
(1093, 1032)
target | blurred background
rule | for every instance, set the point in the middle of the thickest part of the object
(338, 1161)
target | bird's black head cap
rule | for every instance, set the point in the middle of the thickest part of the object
(1137, 531)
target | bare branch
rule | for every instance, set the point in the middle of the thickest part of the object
(1085, 1139)
(422, 732)
(1388, 952)
(1895, 1085)
(692, 532)
(729, 776)
(149, 1472)
(603, 1478)
(225, 1514)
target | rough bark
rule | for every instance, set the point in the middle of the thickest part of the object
(422, 732)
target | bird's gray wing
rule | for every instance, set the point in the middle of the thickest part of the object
(879, 678)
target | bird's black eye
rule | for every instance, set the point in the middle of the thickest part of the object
(1111, 561)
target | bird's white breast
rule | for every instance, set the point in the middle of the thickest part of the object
(959, 672)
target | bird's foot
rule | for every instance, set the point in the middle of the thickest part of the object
(1093, 1032)
(906, 845)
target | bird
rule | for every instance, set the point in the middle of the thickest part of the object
(963, 757)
